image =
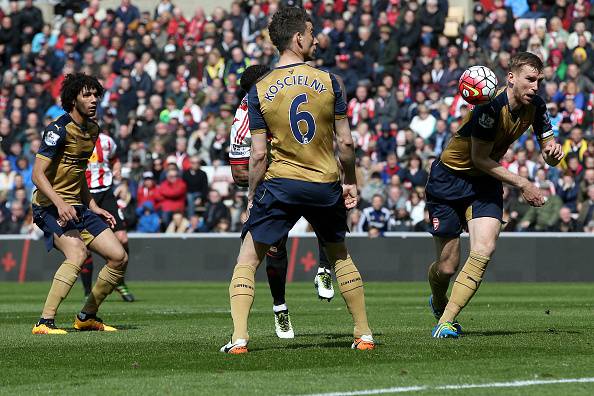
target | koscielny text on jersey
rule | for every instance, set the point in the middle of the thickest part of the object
(289, 81)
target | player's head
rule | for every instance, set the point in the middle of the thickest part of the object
(81, 92)
(524, 75)
(251, 75)
(291, 29)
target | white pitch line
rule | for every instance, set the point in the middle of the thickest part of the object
(404, 389)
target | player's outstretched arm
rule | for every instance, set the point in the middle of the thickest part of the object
(481, 149)
(65, 212)
(257, 163)
(346, 156)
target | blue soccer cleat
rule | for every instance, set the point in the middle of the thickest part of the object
(444, 330)
(458, 327)
(437, 313)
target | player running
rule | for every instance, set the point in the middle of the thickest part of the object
(301, 108)
(99, 177)
(465, 186)
(64, 209)
(276, 257)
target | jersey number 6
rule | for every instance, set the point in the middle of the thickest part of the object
(296, 116)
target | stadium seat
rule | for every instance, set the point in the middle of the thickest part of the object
(451, 29)
(456, 14)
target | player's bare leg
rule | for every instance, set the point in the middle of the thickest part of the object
(447, 253)
(350, 285)
(107, 245)
(484, 232)
(73, 247)
(241, 292)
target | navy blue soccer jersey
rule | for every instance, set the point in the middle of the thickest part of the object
(495, 122)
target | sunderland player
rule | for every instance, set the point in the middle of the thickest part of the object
(465, 186)
(276, 257)
(64, 209)
(301, 109)
(99, 179)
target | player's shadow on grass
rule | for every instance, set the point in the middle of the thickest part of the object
(314, 345)
(346, 336)
(118, 327)
(504, 333)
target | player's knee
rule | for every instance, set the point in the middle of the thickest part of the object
(484, 248)
(77, 254)
(277, 253)
(119, 260)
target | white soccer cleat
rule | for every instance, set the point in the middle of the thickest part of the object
(365, 343)
(323, 284)
(235, 348)
(282, 324)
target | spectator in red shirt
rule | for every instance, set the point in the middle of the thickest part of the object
(172, 196)
(147, 191)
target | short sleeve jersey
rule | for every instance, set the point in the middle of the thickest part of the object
(494, 122)
(68, 147)
(296, 105)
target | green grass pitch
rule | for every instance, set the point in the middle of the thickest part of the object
(170, 337)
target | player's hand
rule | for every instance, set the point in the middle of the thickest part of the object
(532, 195)
(66, 213)
(111, 222)
(249, 207)
(350, 195)
(554, 151)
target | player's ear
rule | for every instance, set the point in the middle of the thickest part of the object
(299, 39)
(510, 79)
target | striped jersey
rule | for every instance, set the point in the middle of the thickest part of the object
(99, 175)
(241, 139)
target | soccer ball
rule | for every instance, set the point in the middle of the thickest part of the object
(478, 85)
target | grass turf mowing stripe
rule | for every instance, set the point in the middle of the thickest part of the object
(513, 384)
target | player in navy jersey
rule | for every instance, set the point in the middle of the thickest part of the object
(65, 210)
(465, 190)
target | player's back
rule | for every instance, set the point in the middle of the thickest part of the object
(297, 106)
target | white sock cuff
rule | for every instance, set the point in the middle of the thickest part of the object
(279, 308)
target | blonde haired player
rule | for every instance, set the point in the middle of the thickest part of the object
(465, 186)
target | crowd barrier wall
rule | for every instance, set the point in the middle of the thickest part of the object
(396, 257)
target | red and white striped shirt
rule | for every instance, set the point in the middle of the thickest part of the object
(98, 173)
(241, 139)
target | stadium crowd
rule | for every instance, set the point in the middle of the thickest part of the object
(172, 90)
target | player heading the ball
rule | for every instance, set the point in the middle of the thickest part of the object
(465, 190)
